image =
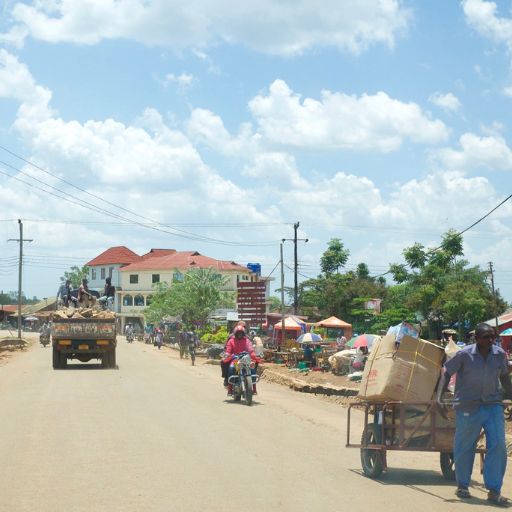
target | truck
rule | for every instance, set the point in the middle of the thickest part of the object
(84, 339)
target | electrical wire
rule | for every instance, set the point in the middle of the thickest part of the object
(178, 232)
(460, 232)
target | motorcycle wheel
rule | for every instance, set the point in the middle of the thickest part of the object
(248, 389)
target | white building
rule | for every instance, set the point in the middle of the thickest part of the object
(134, 276)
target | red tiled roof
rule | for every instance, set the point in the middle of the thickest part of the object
(157, 253)
(183, 261)
(121, 255)
(10, 308)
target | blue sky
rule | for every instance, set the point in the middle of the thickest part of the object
(381, 122)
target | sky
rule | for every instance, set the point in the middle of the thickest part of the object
(215, 125)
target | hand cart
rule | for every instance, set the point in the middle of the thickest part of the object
(404, 426)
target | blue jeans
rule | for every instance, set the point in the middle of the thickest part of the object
(468, 427)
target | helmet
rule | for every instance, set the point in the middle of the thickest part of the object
(239, 328)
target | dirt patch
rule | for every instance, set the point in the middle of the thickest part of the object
(335, 388)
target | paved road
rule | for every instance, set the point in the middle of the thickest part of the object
(157, 434)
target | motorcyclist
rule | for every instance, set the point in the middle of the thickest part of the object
(236, 345)
(45, 332)
(129, 332)
(224, 367)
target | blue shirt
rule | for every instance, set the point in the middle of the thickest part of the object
(477, 378)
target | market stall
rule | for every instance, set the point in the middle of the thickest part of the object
(336, 327)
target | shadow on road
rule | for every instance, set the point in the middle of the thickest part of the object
(418, 479)
(230, 401)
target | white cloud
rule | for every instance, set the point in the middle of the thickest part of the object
(207, 128)
(491, 152)
(276, 171)
(446, 101)
(507, 91)
(183, 80)
(338, 120)
(281, 28)
(158, 171)
(482, 16)
(16, 82)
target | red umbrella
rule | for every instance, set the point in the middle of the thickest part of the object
(365, 340)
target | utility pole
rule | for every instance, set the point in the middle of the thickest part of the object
(295, 266)
(282, 294)
(491, 272)
(20, 240)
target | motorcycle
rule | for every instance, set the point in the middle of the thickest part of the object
(44, 339)
(243, 380)
(129, 337)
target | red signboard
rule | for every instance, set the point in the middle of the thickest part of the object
(251, 302)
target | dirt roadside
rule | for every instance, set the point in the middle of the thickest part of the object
(10, 346)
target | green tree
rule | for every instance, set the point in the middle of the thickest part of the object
(193, 300)
(75, 274)
(441, 286)
(275, 304)
(334, 257)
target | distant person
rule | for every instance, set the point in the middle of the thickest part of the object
(183, 342)
(309, 354)
(85, 298)
(64, 293)
(259, 350)
(109, 293)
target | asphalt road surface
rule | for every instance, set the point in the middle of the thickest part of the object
(157, 434)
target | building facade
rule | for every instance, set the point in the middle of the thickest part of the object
(135, 276)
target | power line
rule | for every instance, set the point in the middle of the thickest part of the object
(178, 232)
(463, 231)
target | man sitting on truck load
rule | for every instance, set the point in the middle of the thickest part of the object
(64, 293)
(479, 367)
(84, 297)
(109, 293)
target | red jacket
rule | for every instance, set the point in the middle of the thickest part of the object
(236, 346)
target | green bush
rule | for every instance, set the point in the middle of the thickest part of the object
(218, 337)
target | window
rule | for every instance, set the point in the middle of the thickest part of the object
(110, 271)
(245, 278)
(127, 300)
(93, 274)
(138, 301)
(155, 278)
(102, 273)
(148, 300)
(177, 277)
(134, 278)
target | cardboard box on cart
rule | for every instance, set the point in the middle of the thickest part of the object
(408, 371)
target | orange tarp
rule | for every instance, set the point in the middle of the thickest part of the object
(289, 324)
(333, 323)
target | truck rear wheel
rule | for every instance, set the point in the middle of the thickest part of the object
(108, 359)
(63, 361)
(55, 358)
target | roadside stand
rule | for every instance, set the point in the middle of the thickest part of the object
(396, 393)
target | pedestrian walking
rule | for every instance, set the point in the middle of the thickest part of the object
(480, 368)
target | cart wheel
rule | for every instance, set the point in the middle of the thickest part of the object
(371, 460)
(447, 465)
